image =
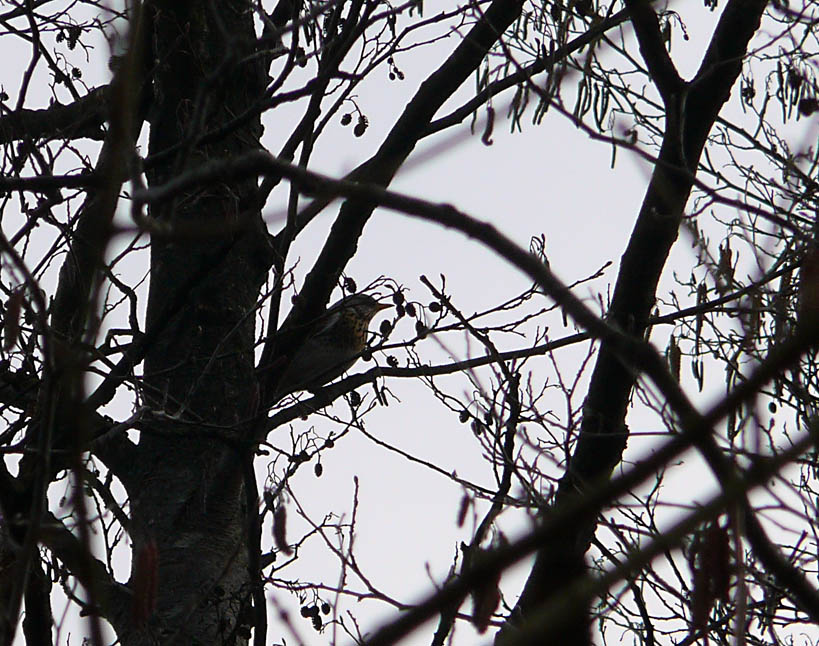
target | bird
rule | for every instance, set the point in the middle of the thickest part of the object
(333, 345)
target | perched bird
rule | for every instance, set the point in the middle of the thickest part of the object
(337, 339)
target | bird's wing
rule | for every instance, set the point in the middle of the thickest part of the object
(327, 321)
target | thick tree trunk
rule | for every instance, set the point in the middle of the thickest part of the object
(188, 503)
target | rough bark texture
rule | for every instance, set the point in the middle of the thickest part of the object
(188, 492)
(691, 110)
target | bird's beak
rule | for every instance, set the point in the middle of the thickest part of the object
(382, 306)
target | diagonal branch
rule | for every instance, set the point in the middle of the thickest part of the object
(604, 434)
(524, 73)
(342, 241)
(660, 67)
(113, 598)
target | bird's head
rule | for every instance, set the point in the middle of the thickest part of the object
(362, 306)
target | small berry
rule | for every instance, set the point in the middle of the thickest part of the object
(410, 309)
(463, 417)
(434, 306)
(398, 298)
(346, 119)
(318, 469)
(361, 126)
(385, 328)
(392, 361)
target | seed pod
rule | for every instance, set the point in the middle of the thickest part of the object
(280, 530)
(674, 355)
(11, 319)
(464, 507)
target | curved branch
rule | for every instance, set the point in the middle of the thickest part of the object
(114, 598)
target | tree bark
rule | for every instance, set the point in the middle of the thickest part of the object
(199, 372)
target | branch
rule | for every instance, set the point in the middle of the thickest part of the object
(113, 598)
(82, 118)
(38, 619)
(660, 67)
(792, 580)
(594, 498)
(47, 183)
(720, 67)
(343, 238)
(604, 434)
(540, 65)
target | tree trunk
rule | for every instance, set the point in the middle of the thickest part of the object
(188, 504)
